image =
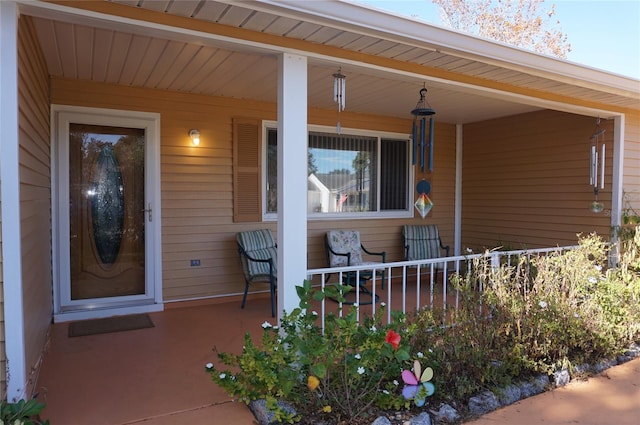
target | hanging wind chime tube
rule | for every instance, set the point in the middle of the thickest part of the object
(421, 112)
(596, 169)
(339, 86)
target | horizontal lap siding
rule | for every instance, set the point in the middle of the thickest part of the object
(631, 180)
(197, 183)
(526, 181)
(35, 194)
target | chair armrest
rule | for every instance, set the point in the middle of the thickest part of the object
(383, 254)
(341, 254)
(446, 248)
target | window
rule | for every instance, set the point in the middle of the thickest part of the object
(348, 174)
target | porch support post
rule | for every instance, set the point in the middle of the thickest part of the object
(617, 185)
(457, 215)
(10, 203)
(292, 178)
(618, 171)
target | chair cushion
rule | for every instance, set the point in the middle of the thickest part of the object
(258, 244)
(343, 242)
(423, 242)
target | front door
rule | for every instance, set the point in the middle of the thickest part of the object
(107, 213)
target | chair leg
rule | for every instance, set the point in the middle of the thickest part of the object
(244, 297)
(273, 298)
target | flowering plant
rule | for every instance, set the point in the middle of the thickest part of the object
(344, 370)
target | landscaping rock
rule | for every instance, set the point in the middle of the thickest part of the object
(483, 403)
(381, 420)
(534, 386)
(422, 419)
(561, 377)
(263, 415)
(604, 365)
(630, 354)
(509, 395)
(581, 370)
(446, 413)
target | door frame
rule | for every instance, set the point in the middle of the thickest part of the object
(64, 308)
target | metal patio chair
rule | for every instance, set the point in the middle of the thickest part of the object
(259, 259)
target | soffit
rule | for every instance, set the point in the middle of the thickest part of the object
(73, 50)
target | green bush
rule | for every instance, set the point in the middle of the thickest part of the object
(21, 413)
(544, 313)
(345, 372)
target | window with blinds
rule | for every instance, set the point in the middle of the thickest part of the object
(348, 174)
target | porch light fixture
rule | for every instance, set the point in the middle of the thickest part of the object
(339, 86)
(420, 114)
(596, 170)
(195, 137)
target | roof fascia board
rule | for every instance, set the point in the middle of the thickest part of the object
(365, 20)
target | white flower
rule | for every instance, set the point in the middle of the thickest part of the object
(266, 325)
(383, 304)
(223, 375)
(360, 370)
(469, 250)
(233, 377)
(355, 305)
(593, 280)
(576, 315)
(358, 356)
(209, 365)
(396, 383)
(315, 313)
(420, 355)
(275, 327)
(386, 392)
(430, 350)
(373, 328)
(598, 267)
(542, 304)
(275, 348)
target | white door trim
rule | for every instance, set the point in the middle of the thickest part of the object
(64, 308)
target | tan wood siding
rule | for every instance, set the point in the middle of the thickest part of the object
(631, 179)
(197, 182)
(35, 194)
(526, 181)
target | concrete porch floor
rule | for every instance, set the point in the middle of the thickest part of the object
(156, 376)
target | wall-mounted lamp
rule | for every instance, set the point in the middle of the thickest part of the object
(195, 137)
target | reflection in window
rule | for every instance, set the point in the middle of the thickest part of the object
(348, 174)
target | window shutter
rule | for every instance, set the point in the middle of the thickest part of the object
(247, 178)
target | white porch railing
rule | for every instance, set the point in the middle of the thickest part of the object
(411, 285)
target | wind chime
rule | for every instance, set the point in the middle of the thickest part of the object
(421, 147)
(339, 85)
(596, 171)
(420, 114)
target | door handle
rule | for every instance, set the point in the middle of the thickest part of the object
(149, 211)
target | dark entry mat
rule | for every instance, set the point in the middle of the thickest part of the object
(110, 324)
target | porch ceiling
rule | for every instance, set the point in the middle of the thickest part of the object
(135, 56)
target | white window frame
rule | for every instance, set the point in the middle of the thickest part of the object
(408, 213)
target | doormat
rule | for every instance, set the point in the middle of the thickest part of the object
(110, 324)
